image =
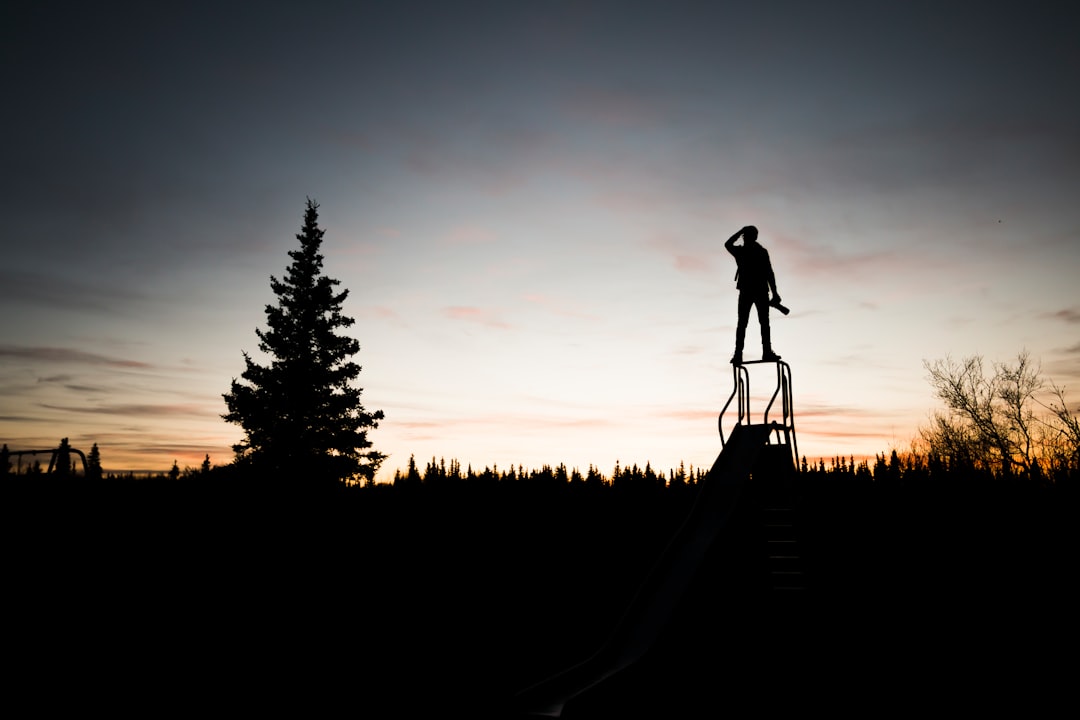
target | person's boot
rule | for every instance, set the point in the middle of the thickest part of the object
(767, 354)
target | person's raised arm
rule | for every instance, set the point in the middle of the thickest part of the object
(730, 244)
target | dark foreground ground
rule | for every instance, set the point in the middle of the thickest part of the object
(156, 598)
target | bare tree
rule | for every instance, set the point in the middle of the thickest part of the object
(990, 419)
(1062, 432)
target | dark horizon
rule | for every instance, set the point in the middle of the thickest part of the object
(402, 602)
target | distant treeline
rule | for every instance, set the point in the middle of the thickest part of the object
(913, 468)
(887, 468)
(442, 473)
(884, 468)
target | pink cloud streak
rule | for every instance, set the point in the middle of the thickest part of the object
(475, 315)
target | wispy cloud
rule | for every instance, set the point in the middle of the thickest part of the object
(67, 382)
(56, 379)
(419, 424)
(683, 257)
(844, 433)
(181, 448)
(86, 389)
(952, 149)
(495, 161)
(29, 288)
(1069, 315)
(470, 235)
(521, 422)
(1065, 369)
(23, 419)
(808, 410)
(67, 355)
(138, 410)
(475, 315)
(382, 312)
(555, 306)
(624, 200)
(693, 415)
(614, 109)
(806, 258)
(350, 139)
(813, 413)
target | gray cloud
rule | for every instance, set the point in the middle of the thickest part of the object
(809, 259)
(23, 419)
(1069, 315)
(55, 379)
(137, 410)
(67, 355)
(65, 293)
(87, 389)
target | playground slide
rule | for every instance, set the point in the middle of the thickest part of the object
(665, 586)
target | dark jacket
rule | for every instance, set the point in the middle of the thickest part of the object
(755, 273)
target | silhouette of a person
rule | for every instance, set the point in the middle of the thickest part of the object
(755, 279)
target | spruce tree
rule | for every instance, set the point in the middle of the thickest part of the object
(93, 463)
(301, 416)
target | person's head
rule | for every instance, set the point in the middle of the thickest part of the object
(749, 233)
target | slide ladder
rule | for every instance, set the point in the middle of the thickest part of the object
(666, 586)
(776, 466)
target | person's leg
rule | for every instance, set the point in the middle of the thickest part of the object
(745, 301)
(767, 353)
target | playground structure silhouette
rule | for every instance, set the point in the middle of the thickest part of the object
(714, 547)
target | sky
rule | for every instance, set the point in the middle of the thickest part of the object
(528, 204)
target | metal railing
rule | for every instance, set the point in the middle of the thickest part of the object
(57, 455)
(784, 428)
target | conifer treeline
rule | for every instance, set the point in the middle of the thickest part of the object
(443, 474)
(892, 468)
(914, 468)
